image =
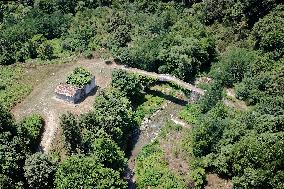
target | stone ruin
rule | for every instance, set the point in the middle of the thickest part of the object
(72, 93)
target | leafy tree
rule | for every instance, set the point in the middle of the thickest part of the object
(33, 127)
(237, 11)
(268, 33)
(106, 150)
(71, 132)
(129, 84)
(86, 172)
(257, 161)
(113, 113)
(6, 120)
(6, 182)
(45, 51)
(39, 171)
(212, 96)
(234, 64)
(183, 58)
(208, 132)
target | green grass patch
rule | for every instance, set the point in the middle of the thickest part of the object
(190, 113)
(12, 90)
(149, 106)
(168, 128)
(152, 170)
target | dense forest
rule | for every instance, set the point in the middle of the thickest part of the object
(239, 44)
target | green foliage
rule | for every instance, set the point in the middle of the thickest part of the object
(6, 182)
(12, 150)
(233, 65)
(237, 11)
(33, 128)
(261, 157)
(185, 57)
(45, 51)
(264, 82)
(148, 107)
(191, 113)
(107, 151)
(199, 177)
(113, 114)
(152, 170)
(12, 91)
(212, 96)
(268, 33)
(6, 120)
(71, 132)
(208, 132)
(128, 84)
(39, 171)
(86, 172)
(79, 77)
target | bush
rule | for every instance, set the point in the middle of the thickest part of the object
(113, 113)
(233, 65)
(71, 132)
(88, 54)
(256, 160)
(268, 33)
(152, 169)
(86, 172)
(34, 127)
(199, 178)
(212, 96)
(39, 171)
(191, 113)
(45, 51)
(107, 151)
(128, 83)
(79, 77)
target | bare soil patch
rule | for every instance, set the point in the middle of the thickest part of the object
(215, 182)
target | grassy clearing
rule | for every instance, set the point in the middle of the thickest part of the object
(12, 90)
(18, 80)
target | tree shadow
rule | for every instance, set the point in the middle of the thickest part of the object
(168, 97)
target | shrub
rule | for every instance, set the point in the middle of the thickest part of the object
(128, 83)
(152, 169)
(268, 33)
(256, 160)
(86, 172)
(34, 126)
(191, 113)
(88, 54)
(45, 51)
(113, 113)
(211, 97)
(233, 65)
(39, 171)
(71, 132)
(79, 77)
(199, 177)
(107, 151)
